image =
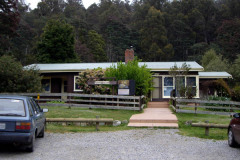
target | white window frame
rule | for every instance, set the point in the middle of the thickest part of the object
(197, 84)
(174, 80)
(167, 86)
(74, 88)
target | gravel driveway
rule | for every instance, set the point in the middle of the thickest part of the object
(145, 144)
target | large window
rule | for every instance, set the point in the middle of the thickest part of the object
(168, 86)
(181, 85)
(46, 85)
(191, 82)
(76, 86)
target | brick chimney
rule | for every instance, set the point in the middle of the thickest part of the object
(129, 55)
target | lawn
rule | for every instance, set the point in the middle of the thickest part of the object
(75, 112)
(214, 133)
(184, 129)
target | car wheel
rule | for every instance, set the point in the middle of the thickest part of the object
(231, 139)
(41, 134)
(30, 147)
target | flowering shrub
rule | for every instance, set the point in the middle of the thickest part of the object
(95, 75)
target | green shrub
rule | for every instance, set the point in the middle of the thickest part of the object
(214, 98)
(13, 78)
(236, 93)
(132, 71)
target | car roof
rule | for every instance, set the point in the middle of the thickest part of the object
(14, 96)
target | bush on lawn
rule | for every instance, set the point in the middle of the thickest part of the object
(95, 75)
(132, 71)
(13, 78)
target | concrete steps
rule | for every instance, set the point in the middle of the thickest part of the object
(157, 114)
(169, 125)
(158, 104)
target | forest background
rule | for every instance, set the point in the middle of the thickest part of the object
(58, 31)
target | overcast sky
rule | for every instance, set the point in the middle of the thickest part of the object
(86, 3)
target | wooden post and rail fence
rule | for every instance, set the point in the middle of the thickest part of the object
(181, 105)
(88, 100)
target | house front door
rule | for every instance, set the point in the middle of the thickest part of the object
(56, 85)
(157, 91)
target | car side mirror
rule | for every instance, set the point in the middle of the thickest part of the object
(237, 115)
(45, 110)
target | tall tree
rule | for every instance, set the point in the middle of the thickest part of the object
(154, 41)
(57, 43)
(96, 45)
(118, 37)
(229, 38)
(9, 20)
(182, 37)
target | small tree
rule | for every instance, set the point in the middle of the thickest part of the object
(132, 71)
(13, 78)
(178, 74)
(213, 62)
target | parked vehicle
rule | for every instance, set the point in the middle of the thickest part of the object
(21, 121)
(234, 131)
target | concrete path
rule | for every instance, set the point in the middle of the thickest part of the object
(157, 114)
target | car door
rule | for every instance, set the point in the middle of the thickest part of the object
(38, 116)
(237, 129)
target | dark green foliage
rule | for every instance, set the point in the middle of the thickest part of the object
(118, 37)
(57, 43)
(155, 28)
(9, 17)
(9, 20)
(229, 38)
(154, 41)
(182, 38)
(132, 71)
(13, 78)
(96, 44)
(236, 93)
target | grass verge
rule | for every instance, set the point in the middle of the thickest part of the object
(74, 112)
(214, 133)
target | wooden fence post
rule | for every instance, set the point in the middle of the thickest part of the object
(175, 103)
(207, 129)
(97, 123)
(195, 108)
(140, 103)
(69, 101)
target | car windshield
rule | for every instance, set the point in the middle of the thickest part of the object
(12, 107)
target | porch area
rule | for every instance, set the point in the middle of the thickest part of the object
(157, 114)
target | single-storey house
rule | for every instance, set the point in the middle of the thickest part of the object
(61, 77)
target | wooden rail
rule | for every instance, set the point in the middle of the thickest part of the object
(179, 105)
(88, 100)
(209, 125)
(78, 121)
